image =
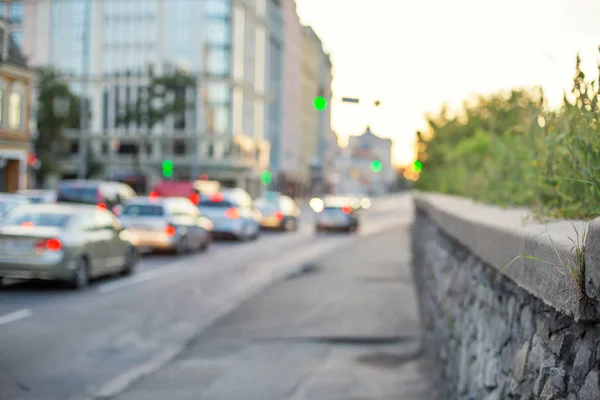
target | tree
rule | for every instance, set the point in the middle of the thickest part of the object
(58, 109)
(164, 97)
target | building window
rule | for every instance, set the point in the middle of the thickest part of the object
(17, 37)
(2, 107)
(105, 105)
(218, 32)
(2, 43)
(15, 12)
(218, 8)
(218, 63)
(218, 93)
(179, 147)
(15, 110)
(218, 119)
(117, 107)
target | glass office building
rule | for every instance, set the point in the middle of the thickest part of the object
(110, 49)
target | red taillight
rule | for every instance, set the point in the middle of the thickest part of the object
(232, 213)
(347, 210)
(49, 244)
(278, 216)
(102, 206)
(153, 196)
(195, 198)
(170, 230)
(217, 197)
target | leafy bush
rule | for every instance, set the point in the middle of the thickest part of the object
(509, 149)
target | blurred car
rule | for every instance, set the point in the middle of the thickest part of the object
(8, 201)
(169, 223)
(337, 214)
(232, 213)
(71, 243)
(190, 189)
(106, 194)
(278, 212)
(39, 196)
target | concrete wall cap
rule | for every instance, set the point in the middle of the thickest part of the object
(498, 235)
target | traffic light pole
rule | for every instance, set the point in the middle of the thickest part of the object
(84, 100)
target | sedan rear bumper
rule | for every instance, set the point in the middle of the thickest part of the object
(61, 270)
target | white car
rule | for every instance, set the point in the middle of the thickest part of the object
(232, 213)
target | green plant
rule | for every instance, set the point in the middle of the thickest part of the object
(574, 269)
(509, 149)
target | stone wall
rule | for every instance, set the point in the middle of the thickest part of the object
(489, 335)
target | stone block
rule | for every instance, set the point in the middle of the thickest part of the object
(492, 368)
(583, 362)
(520, 362)
(555, 385)
(527, 322)
(542, 326)
(590, 389)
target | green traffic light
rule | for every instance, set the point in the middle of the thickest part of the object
(376, 166)
(320, 103)
(265, 177)
(167, 168)
(417, 166)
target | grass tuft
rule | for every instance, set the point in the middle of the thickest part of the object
(573, 268)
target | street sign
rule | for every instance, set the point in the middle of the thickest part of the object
(350, 100)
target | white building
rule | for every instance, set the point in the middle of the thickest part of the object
(287, 163)
(111, 45)
(357, 165)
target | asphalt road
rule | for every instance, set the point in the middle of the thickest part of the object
(60, 344)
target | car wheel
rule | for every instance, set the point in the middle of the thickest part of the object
(81, 275)
(131, 260)
(2, 282)
(182, 246)
(204, 245)
(289, 225)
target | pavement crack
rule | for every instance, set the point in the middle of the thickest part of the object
(346, 340)
(305, 270)
(24, 387)
(389, 360)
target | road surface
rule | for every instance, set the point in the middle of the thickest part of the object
(61, 344)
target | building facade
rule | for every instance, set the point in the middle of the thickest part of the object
(327, 140)
(110, 50)
(274, 98)
(290, 176)
(13, 12)
(311, 120)
(354, 165)
(16, 82)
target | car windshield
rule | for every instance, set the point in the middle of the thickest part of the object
(335, 209)
(49, 219)
(207, 202)
(143, 210)
(36, 199)
(86, 195)
(6, 205)
(267, 204)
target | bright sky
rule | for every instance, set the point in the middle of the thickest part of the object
(414, 55)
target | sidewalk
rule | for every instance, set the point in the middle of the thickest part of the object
(344, 329)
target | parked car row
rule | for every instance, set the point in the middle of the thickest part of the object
(86, 229)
